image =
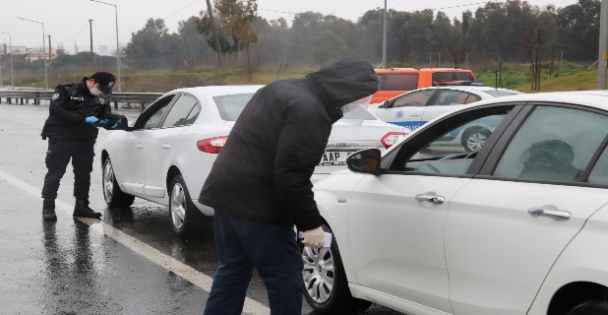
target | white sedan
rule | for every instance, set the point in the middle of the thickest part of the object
(167, 154)
(517, 227)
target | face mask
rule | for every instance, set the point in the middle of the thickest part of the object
(95, 91)
(362, 103)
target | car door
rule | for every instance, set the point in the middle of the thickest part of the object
(444, 101)
(399, 216)
(405, 110)
(165, 143)
(131, 171)
(506, 228)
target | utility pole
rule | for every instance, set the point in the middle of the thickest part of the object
(48, 64)
(384, 37)
(603, 47)
(91, 32)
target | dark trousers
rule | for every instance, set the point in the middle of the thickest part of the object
(271, 249)
(82, 153)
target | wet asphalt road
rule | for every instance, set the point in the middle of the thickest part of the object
(130, 262)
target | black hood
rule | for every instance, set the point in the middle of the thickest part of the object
(344, 81)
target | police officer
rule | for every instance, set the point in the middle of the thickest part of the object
(75, 112)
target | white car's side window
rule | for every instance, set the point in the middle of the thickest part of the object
(553, 144)
(419, 98)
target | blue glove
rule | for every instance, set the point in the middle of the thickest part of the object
(91, 119)
(103, 121)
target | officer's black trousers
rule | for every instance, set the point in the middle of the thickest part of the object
(81, 152)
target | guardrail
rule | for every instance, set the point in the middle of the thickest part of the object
(126, 98)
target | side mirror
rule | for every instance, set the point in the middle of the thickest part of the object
(384, 105)
(365, 161)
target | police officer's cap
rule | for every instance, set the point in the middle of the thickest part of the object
(106, 81)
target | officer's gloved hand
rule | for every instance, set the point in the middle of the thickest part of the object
(91, 119)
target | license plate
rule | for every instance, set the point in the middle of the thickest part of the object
(334, 158)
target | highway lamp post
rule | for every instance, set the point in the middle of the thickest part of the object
(10, 44)
(384, 36)
(117, 45)
(46, 79)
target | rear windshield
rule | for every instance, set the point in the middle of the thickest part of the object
(452, 76)
(231, 106)
(359, 113)
(497, 93)
(395, 82)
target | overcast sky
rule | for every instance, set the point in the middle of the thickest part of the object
(67, 21)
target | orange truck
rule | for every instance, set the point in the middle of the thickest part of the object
(396, 81)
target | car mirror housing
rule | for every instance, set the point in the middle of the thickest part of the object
(384, 105)
(365, 161)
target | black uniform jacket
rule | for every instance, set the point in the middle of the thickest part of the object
(69, 106)
(263, 173)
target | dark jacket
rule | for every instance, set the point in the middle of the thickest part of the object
(263, 173)
(69, 106)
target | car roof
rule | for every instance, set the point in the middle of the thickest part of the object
(470, 88)
(215, 90)
(589, 98)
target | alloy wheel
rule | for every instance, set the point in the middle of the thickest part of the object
(178, 205)
(318, 273)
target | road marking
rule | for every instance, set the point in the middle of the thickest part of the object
(197, 278)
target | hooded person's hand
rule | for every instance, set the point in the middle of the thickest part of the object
(314, 238)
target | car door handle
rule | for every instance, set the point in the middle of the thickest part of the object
(550, 212)
(139, 146)
(431, 197)
(165, 146)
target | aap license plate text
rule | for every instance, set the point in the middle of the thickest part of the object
(334, 158)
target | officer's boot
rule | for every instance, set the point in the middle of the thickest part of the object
(82, 210)
(48, 210)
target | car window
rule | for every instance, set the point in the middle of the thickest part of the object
(472, 98)
(398, 81)
(453, 152)
(153, 115)
(231, 106)
(452, 76)
(416, 98)
(179, 111)
(599, 173)
(554, 143)
(193, 115)
(451, 97)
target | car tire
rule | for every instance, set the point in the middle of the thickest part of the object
(590, 308)
(474, 138)
(112, 194)
(324, 297)
(186, 220)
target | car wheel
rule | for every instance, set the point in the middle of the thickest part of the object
(186, 219)
(112, 194)
(324, 282)
(590, 308)
(474, 138)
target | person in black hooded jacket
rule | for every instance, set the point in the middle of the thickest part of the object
(259, 185)
(75, 112)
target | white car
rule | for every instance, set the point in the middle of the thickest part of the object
(416, 108)
(166, 155)
(517, 227)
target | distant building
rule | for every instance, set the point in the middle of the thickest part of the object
(16, 50)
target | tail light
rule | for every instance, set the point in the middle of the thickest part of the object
(212, 145)
(391, 138)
